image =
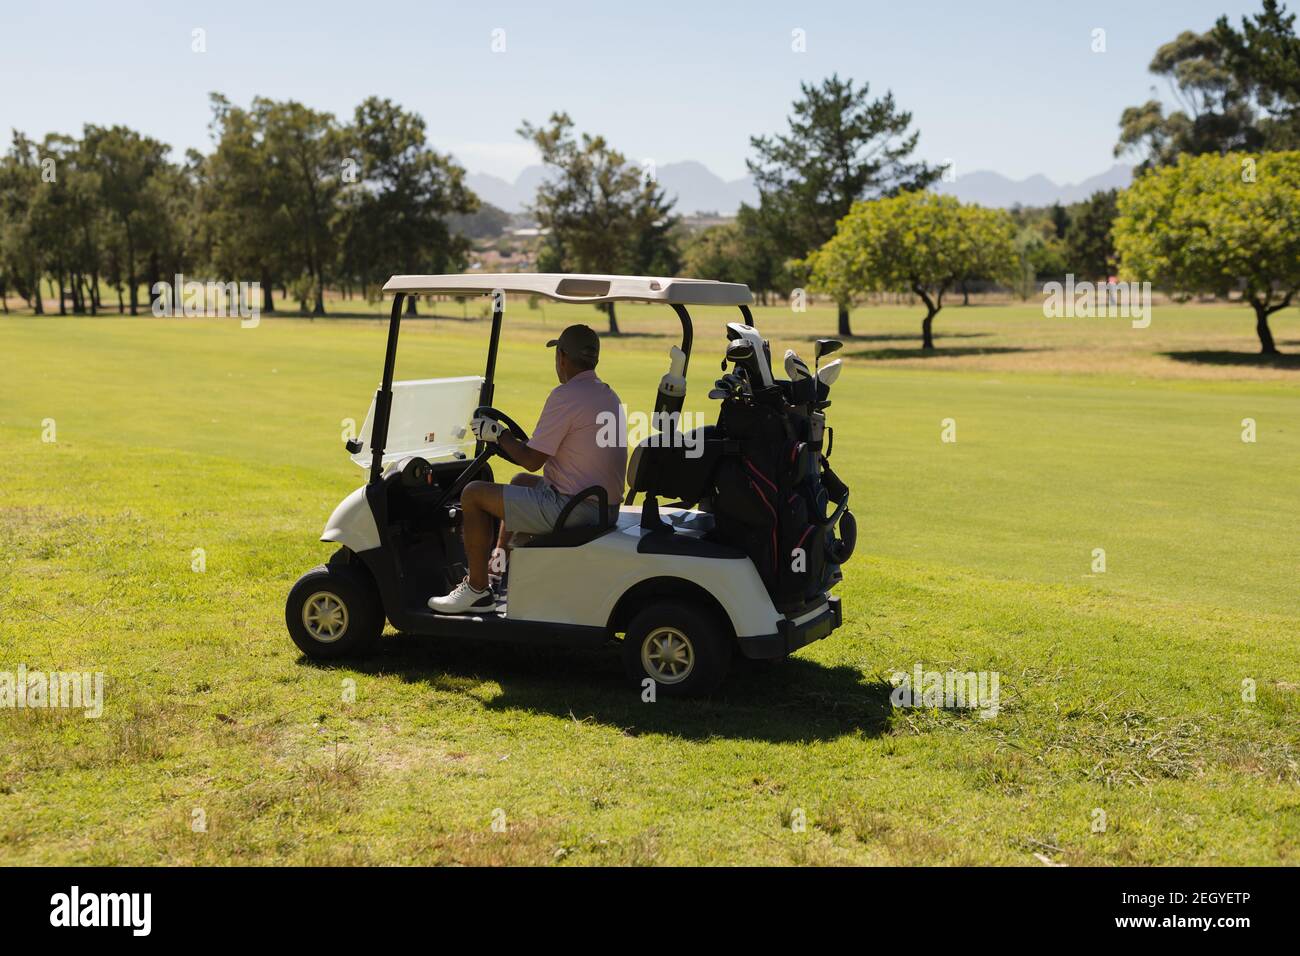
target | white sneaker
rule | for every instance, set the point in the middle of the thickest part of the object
(464, 599)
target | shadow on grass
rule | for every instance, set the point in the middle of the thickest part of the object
(1253, 359)
(786, 701)
(343, 314)
(941, 352)
(606, 334)
(902, 337)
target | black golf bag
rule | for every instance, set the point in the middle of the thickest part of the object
(762, 472)
(775, 496)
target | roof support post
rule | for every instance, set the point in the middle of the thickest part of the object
(384, 395)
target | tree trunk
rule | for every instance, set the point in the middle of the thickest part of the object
(843, 318)
(130, 273)
(121, 308)
(613, 319)
(319, 307)
(932, 307)
(410, 307)
(63, 309)
(965, 293)
(1266, 344)
(268, 303)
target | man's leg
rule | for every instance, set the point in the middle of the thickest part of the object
(526, 480)
(480, 502)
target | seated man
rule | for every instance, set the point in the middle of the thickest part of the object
(572, 447)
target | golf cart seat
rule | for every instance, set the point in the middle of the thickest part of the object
(682, 470)
(562, 537)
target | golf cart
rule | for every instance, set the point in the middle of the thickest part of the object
(688, 587)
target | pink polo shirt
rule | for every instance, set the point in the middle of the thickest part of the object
(581, 428)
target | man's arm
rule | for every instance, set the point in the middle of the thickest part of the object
(530, 458)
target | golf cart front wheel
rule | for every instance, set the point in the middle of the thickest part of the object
(679, 646)
(333, 612)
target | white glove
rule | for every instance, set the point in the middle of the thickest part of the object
(486, 429)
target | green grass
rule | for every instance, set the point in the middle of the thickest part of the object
(1121, 691)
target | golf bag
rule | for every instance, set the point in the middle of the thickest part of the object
(775, 496)
(762, 471)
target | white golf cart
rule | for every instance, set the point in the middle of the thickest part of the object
(684, 601)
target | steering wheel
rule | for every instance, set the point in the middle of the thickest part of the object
(487, 411)
(489, 449)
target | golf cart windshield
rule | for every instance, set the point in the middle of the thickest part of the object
(430, 418)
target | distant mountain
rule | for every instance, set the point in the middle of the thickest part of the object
(994, 189)
(495, 190)
(698, 189)
(695, 187)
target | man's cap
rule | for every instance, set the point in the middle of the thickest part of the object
(579, 342)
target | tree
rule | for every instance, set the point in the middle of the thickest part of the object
(397, 208)
(22, 248)
(715, 253)
(306, 149)
(486, 222)
(245, 227)
(1264, 57)
(126, 162)
(1214, 114)
(1090, 250)
(1217, 224)
(600, 213)
(915, 242)
(841, 147)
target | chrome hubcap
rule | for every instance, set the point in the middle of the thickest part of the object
(667, 655)
(325, 617)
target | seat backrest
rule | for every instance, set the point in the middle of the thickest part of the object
(682, 470)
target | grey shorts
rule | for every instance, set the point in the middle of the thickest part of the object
(532, 509)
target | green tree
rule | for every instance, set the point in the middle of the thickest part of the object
(1089, 247)
(1217, 224)
(126, 162)
(1264, 57)
(245, 227)
(306, 149)
(601, 214)
(715, 253)
(841, 147)
(486, 222)
(23, 252)
(398, 204)
(915, 242)
(1214, 112)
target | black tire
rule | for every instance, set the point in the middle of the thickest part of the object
(359, 624)
(701, 646)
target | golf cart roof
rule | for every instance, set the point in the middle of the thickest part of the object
(578, 288)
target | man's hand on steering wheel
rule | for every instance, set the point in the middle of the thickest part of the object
(489, 424)
(486, 429)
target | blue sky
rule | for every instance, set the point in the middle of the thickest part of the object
(1007, 85)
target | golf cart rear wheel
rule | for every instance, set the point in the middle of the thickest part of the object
(333, 612)
(683, 648)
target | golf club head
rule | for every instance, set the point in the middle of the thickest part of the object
(739, 352)
(758, 361)
(826, 347)
(719, 393)
(830, 372)
(795, 369)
